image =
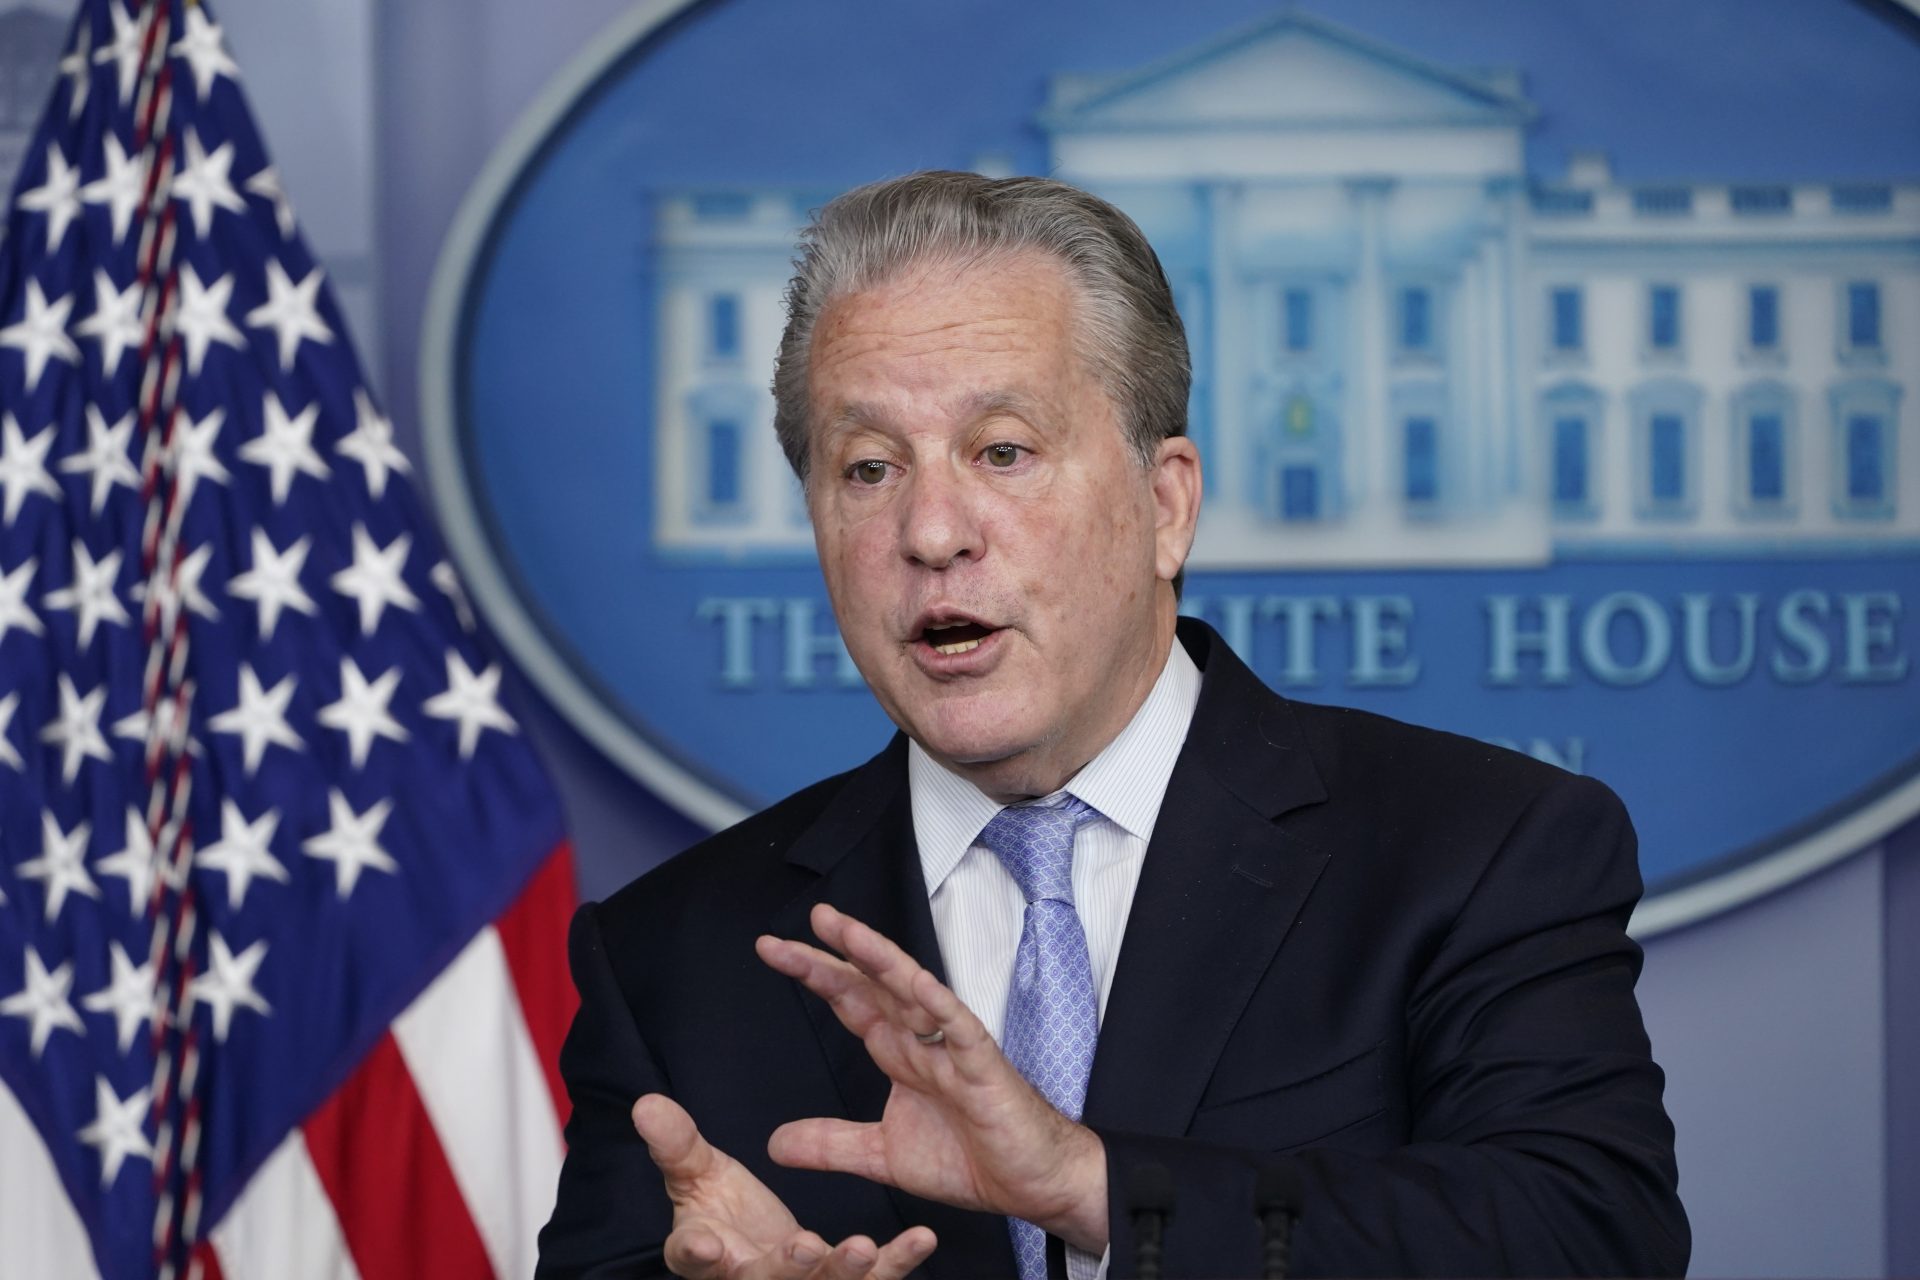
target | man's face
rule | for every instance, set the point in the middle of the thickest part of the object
(999, 560)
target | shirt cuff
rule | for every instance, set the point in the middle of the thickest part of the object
(1082, 1265)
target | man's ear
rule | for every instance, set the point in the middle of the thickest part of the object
(1176, 482)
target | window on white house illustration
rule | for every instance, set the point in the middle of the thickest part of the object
(1300, 492)
(1296, 320)
(723, 490)
(1763, 318)
(1422, 459)
(1864, 414)
(1667, 459)
(1571, 414)
(1572, 487)
(1866, 459)
(1862, 317)
(723, 326)
(1416, 321)
(1567, 327)
(1766, 458)
(1666, 421)
(1663, 319)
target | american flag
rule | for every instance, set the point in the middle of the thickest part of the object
(282, 887)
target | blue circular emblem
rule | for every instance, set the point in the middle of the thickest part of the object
(1530, 408)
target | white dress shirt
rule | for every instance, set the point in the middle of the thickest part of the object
(978, 909)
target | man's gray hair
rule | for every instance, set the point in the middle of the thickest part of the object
(1129, 333)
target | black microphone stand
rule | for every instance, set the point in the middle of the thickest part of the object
(1149, 1205)
(1276, 1202)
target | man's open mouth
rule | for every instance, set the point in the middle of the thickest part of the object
(951, 638)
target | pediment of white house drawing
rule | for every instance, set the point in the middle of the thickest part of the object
(1291, 70)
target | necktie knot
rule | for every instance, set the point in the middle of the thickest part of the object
(1035, 844)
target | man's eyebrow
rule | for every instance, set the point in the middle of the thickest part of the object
(999, 403)
(976, 405)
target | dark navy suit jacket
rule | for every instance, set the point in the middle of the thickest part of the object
(1393, 959)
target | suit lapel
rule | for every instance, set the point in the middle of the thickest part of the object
(1222, 884)
(867, 859)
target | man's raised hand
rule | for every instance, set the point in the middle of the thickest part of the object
(961, 1125)
(728, 1226)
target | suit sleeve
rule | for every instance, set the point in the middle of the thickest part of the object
(1539, 1142)
(611, 1217)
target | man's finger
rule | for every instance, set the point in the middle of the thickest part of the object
(851, 1259)
(695, 1252)
(903, 1254)
(856, 999)
(674, 1141)
(920, 1001)
(833, 1146)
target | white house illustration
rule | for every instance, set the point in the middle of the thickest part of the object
(1407, 349)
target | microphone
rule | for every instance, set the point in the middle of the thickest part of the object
(1149, 1205)
(1276, 1202)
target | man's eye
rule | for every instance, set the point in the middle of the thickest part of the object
(1002, 455)
(870, 471)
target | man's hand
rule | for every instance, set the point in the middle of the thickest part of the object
(728, 1226)
(961, 1125)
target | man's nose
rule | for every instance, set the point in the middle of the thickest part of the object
(938, 525)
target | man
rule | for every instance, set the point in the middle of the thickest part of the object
(1388, 962)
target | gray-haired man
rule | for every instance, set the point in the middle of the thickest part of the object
(1106, 902)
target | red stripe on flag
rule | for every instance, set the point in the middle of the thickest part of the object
(533, 933)
(380, 1160)
(204, 1263)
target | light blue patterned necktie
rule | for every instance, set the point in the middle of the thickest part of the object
(1053, 1011)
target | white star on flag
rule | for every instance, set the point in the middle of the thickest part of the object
(115, 321)
(9, 754)
(44, 1001)
(192, 456)
(105, 457)
(291, 311)
(373, 579)
(362, 713)
(273, 584)
(370, 444)
(62, 864)
(259, 718)
(77, 728)
(120, 188)
(123, 50)
(204, 52)
(285, 446)
(202, 316)
(23, 466)
(352, 843)
(137, 863)
(266, 184)
(203, 183)
(91, 595)
(41, 333)
(182, 588)
(15, 612)
(78, 70)
(242, 852)
(130, 996)
(119, 1128)
(471, 699)
(57, 196)
(228, 983)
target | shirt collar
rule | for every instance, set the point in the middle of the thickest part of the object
(1125, 782)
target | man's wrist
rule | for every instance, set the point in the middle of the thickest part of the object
(1082, 1220)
